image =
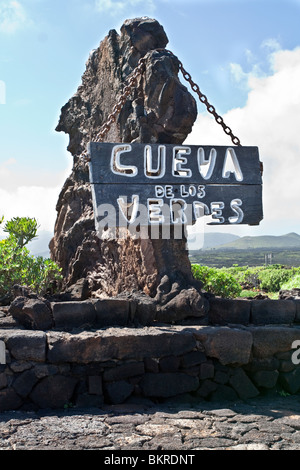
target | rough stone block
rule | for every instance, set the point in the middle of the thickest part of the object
(68, 315)
(25, 382)
(124, 371)
(95, 385)
(297, 304)
(192, 359)
(43, 370)
(224, 393)
(206, 388)
(265, 378)
(290, 381)
(221, 377)
(32, 313)
(77, 292)
(118, 343)
(206, 371)
(228, 345)
(187, 304)
(286, 366)
(118, 392)
(168, 384)
(155, 342)
(142, 309)
(151, 364)
(266, 363)
(285, 355)
(269, 340)
(169, 364)
(266, 312)
(81, 348)
(25, 345)
(111, 312)
(243, 385)
(53, 392)
(19, 367)
(9, 400)
(225, 311)
(3, 381)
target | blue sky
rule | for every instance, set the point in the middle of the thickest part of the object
(244, 55)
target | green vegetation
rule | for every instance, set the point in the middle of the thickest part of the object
(21, 229)
(245, 281)
(217, 258)
(293, 283)
(17, 265)
(218, 282)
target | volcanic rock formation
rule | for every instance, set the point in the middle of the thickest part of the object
(160, 110)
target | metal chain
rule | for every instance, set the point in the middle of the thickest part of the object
(131, 84)
(210, 108)
(138, 71)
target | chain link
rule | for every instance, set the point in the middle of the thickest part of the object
(131, 84)
(210, 108)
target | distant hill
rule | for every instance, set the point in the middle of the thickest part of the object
(290, 240)
(207, 241)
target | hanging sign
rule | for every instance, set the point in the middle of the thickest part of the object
(162, 184)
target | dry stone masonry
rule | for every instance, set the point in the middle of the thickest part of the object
(114, 351)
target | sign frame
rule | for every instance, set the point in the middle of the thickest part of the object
(222, 182)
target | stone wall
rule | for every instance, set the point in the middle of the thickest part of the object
(141, 310)
(240, 350)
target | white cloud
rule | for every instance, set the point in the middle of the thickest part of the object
(269, 120)
(5, 169)
(31, 201)
(116, 7)
(30, 193)
(12, 16)
(238, 73)
(257, 68)
(271, 44)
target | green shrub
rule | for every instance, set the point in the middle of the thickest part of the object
(21, 229)
(216, 281)
(18, 266)
(293, 283)
(272, 278)
(248, 277)
(267, 278)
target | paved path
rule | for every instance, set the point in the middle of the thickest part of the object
(261, 424)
